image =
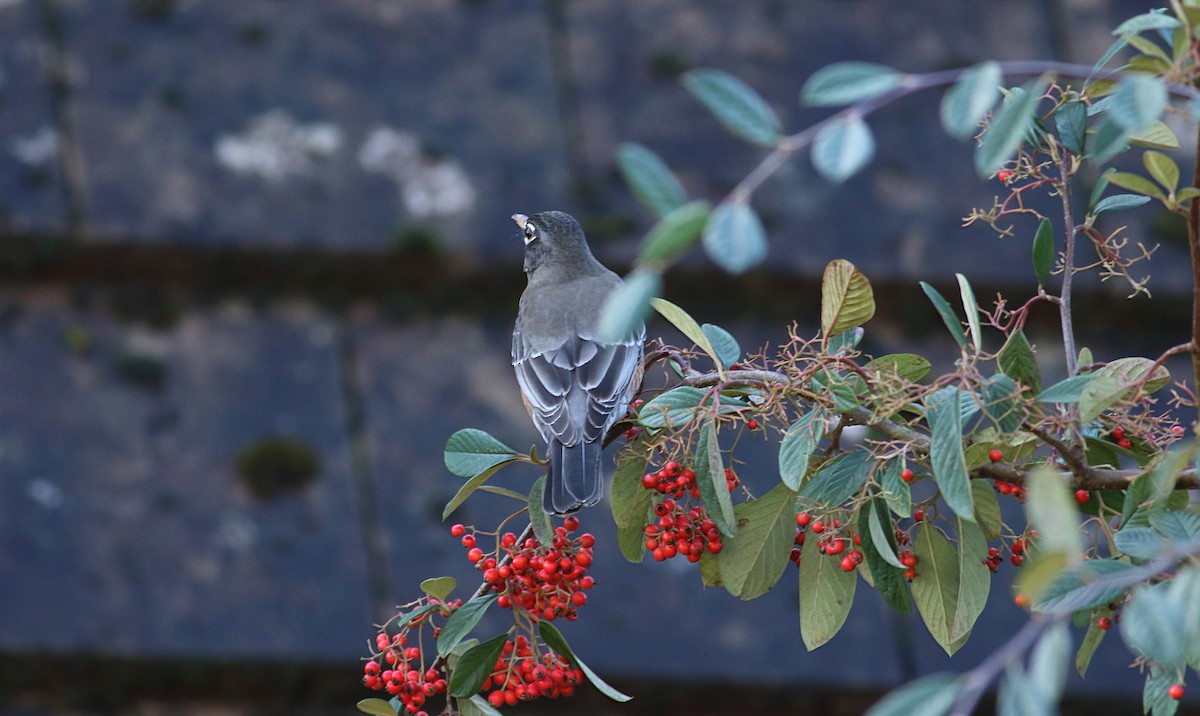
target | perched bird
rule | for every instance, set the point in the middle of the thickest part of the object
(575, 385)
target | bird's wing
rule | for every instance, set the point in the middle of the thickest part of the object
(579, 389)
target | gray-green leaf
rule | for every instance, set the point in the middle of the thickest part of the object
(651, 181)
(848, 82)
(735, 105)
(969, 100)
(734, 237)
(842, 148)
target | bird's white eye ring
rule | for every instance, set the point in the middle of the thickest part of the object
(530, 233)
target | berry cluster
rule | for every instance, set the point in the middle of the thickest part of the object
(1007, 488)
(831, 540)
(682, 527)
(523, 675)
(400, 669)
(1017, 556)
(545, 582)
(1118, 436)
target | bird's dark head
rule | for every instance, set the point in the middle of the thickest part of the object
(553, 238)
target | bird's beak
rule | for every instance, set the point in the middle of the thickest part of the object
(521, 220)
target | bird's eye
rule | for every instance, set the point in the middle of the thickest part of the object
(530, 233)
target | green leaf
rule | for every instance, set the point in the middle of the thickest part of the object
(469, 487)
(674, 233)
(632, 543)
(1154, 20)
(1008, 128)
(1157, 136)
(1087, 649)
(974, 577)
(651, 180)
(846, 298)
(848, 82)
(673, 408)
(971, 308)
(475, 666)
(554, 639)
(1135, 183)
(626, 308)
(734, 237)
(630, 500)
(1085, 585)
(1162, 168)
(1015, 697)
(1176, 525)
(726, 346)
(504, 491)
(987, 509)
(469, 452)
(946, 451)
(687, 325)
(970, 99)
(936, 586)
(1150, 626)
(932, 695)
(838, 479)
(710, 479)
(710, 570)
(895, 489)
(1108, 140)
(907, 366)
(1043, 251)
(1068, 390)
(1099, 188)
(462, 621)
(753, 561)
(826, 594)
(1156, 697)
(439, 587)
(1070, 121)
(1119, 202)
(1001, 402)
(1112, 383)
(842, 148)
(735, 105)
(879, 547)
(1138, 542)
(1052, 512)
(797, 446)
(538, 519)
(1138, 102)
(1048, 664)
(1017, 362)
(947, 313)
(477, 705)
(376, 707)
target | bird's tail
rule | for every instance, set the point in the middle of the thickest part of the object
(574, 477)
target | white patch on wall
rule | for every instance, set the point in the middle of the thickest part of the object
(275, 146)
(428, 186)
(37, 149)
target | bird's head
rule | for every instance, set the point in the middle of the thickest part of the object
(552, 238)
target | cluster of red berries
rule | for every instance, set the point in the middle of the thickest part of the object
(682, 527)
(400, 669)
(1118, 436)
(521, 675)
(1017, 556)
(831, 540)
(546, 582)
(1007, 488)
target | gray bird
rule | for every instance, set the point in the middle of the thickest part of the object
(574, 385)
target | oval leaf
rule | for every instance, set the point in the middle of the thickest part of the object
(826, 594)
(651, 180)
(675, 233)
(1043, 251)
(839, 479)
(1119, 202)
(734, 237)
(842, 148)
(626, 309)
(847, 83)
(969, 100)
(935, 588)
(944, 414)
(710, 479)
(1136, 183)
(929, 695)
(1007, 128)
(469, 452)
(1162, 168)
(539, 520)
(462, 621)
(846, 298)
(947, 313)
(687, 325)
(735, 105)
(797, 446)
(671, 409)
(1138, 102)
(439, 587)
(971, 308)
(1070, 121)
(726, 346)
(475, 666)
(753, 561)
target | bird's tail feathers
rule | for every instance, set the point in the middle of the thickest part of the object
(574, 477)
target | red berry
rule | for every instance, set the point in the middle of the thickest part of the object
(1104, 623)
(1117, 434)
(1082, 496)
(818, 527)
(571, 522)
(474, 554)
(752, 424)
(630, 434)
(906, 475)
(457, 530)
(918, 515)
(672, 469)
(649, 481)
(1016, 560)
(1176, 691)
(995, 455)
(848, 564)
(1004, 175)
(803, 519)
(1124, 443)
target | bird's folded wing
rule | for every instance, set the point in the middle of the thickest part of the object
(576, 391)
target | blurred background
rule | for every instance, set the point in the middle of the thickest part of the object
(256, 266)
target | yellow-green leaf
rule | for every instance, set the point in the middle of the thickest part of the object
(826, 594)
(1136, 184)
(1162, 168)
(687, 326)
(754, 560)
(846, 298)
